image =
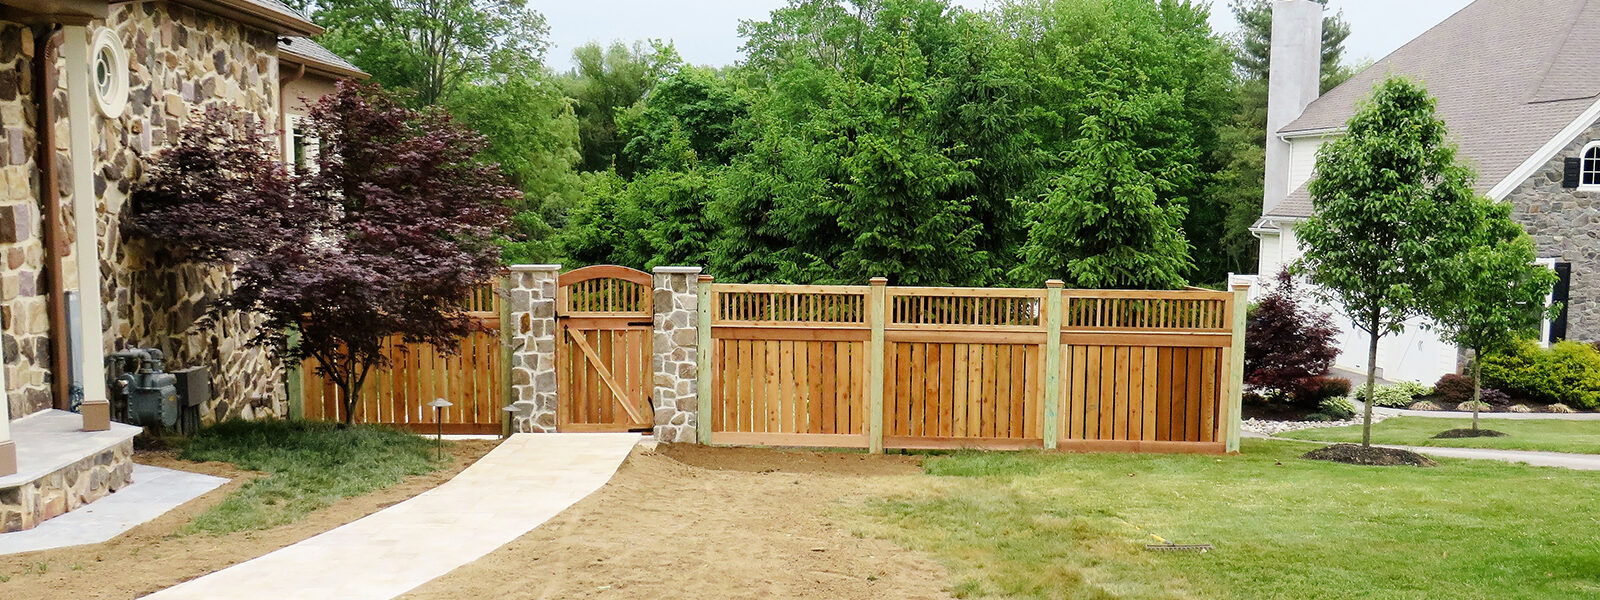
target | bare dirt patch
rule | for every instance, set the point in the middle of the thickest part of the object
(151, 557)
(1370, 455)
(697, 522)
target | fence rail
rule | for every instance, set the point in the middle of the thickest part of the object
(906, 367)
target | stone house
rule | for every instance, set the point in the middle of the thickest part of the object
(1515, 84)
(89, 91)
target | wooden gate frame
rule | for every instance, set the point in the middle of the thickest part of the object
(564, 315)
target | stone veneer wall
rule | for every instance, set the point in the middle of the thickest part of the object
(181, 61)
(531, 307)
(675, 349)
(92, 478)
(25, 317)
(1565, 224)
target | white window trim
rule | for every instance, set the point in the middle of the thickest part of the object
(1582, 162)
(290, 156)
(1549, 298)
(111, 96)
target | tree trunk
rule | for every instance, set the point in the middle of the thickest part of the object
(1372, 382)
(1477, 385)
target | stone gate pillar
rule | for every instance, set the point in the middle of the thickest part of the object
(675, 353)
(531, 308)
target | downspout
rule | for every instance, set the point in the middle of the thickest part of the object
(45, 84)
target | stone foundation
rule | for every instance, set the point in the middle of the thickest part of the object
(91, 478)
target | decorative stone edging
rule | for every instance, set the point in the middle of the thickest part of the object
(1265, 427)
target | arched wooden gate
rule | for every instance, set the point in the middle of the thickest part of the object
(603, 335)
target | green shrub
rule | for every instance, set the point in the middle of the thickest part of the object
(1338, 408)
(1399, 395)
(1566, 373)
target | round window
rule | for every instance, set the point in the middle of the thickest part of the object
(110, 72)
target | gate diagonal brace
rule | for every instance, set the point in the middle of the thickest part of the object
(605, 375)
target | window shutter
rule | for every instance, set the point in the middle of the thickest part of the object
(1558, 326)
(1573, 172)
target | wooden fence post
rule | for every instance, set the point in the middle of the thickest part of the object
(1236, 366)
(294, 381)
(506, 337)
(1052, 362)
(707, 361)
(877, 318)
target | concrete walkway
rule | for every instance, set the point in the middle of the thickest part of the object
(154, 491)
(1455, 414)
(518, 486)
(1565, 460)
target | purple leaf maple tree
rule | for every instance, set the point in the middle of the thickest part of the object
(386, 236)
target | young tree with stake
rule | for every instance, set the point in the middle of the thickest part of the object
(1388, 201)
(1492, 294)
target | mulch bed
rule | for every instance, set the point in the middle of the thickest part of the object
(1374, 456)
(1468, 433)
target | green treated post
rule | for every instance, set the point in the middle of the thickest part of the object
(705, 362)
(1236, 365)
(1052, 362)
(294, 381)
(507, 392)
(876, 304)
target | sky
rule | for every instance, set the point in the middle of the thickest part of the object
(706, 32)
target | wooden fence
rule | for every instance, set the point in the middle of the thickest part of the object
(471, 379)
(899, 367)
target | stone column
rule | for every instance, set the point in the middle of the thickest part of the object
(531, 307)
(675, 359)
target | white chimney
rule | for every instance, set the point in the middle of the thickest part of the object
(1293, 82)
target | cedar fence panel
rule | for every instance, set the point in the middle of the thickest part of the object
(470, 379)
(1092, 370)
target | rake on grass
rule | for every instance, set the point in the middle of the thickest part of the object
(1165, 545)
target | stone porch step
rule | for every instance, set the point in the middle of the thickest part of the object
(60, 467)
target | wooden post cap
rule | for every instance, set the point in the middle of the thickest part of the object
(707, 279)
(879, 281)
(1055, 283)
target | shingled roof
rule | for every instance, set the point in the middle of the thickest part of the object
(1509, 75)
(306, 51)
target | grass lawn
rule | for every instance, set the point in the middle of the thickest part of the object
(1544, 434)
(308, 465)
(1034, 525)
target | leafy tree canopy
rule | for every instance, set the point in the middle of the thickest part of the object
(1392, 206)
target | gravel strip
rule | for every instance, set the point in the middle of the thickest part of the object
(1265, 427)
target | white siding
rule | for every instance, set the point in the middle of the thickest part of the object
(1415, 354)
(1303, 160)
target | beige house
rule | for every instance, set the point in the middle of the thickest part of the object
(89, 91)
